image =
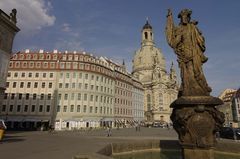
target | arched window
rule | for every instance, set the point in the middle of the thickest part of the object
(148, 102)
(146, 35)
(162, 118)
(160, 99)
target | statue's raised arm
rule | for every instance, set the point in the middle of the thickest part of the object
(189, 45)
(170, 28)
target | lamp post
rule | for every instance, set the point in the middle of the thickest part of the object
(227, 116)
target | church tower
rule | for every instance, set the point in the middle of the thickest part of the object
(147, 35)
(160, 88)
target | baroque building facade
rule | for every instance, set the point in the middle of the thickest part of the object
(227, 96)
(8, 29)
(70, 90)
(236, 108)
(160, 87)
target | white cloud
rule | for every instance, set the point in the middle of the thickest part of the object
(32, 15)
(69, 45)
(66, 27)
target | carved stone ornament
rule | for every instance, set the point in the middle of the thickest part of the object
(196, 120)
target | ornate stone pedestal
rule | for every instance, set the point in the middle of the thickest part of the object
(196, 121)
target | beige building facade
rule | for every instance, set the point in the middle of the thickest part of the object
(227, 96)
(236, 108)
(69, 90)
(160, 87)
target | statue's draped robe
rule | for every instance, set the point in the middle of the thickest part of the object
(188, 44)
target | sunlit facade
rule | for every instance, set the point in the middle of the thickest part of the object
(69, 91)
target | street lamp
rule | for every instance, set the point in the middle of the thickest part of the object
(227, 115)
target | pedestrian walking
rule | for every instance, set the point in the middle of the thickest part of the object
(168, 127)
(139, 127)
(109, 132)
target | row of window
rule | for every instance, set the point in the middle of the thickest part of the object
(36, 56)
(63, 65)
(84, 109)
(29, 84)
(26, 108)
(72, 96)
(123, 92)
(123, 101)
(86, 77)
(122, 111)
(54, 56)
(123, 85)
(86, 87)
(65, 108)
(78, 96)
(60, 85)
(42, 96)
(27, 96)
(30, 74)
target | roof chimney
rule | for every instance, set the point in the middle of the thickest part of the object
(55, 51)
(41, 51)
(27, 51)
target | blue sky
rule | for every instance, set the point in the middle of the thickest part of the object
(112, 28)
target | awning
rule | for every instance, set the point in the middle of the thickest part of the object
(117, 121)
(107, 119)
(44, 120)
(14, 119)
(71, 120)
(89, 119)
(32, 120)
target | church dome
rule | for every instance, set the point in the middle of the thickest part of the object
(145, 59)
(148, 56)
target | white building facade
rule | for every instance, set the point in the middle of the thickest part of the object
(68, 91)
(137, 101)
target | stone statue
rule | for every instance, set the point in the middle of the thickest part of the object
(188, 44)
(194, 115)
(156, 75)
(13, 15)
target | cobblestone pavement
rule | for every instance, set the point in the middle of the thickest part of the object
(66, 144)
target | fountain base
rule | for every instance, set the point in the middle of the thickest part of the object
(196, 121)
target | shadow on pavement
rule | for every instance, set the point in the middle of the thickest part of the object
(11, 138)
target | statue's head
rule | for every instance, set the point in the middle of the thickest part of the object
(185, 16)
